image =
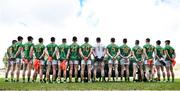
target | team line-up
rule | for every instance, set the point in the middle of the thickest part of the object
(65, 59)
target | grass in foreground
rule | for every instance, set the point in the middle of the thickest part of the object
(91, 86)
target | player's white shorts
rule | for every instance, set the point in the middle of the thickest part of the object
(87, 62)
(168, 63)
(73, 62)
(113, 61)
(42, 62)
(124, 62)
(53, 62)
(18, 61)
(157, 63)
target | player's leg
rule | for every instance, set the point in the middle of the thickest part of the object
(48, 71)
(172, 72)
(76, 70)
(116, 69)
(134, 71)
(70, 71)
(146, 70)
(127, 72)
(64, 72)
(54, 66)
(42, 63)
(82, 70)
(29, 69)
(163, 72)
(18, 68)
(157, 64)
(122, 68)
(7, 70)
(89, 70)
(24, 71)
(141, 71)
(110, 70)
(12, 70)
(102, 70)
(168, 70)
(59, 71)
(95, 71)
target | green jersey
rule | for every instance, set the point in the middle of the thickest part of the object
(51, 48)
(11, 51)
(149, 50)
(86, 49)
(170, 50)
(63, 50)
(113, 50)
(27, 47)
(125, 50)
(38, 50)
(16, 48)
(74, 51)
(159, 51)
(138, 51)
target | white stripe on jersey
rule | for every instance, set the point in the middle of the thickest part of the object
(99, 50)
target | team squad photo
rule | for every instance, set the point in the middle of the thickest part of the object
(86, 63)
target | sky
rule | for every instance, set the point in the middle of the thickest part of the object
(131, 19)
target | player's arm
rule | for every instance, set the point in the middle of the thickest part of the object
(68, 53)
(80, 52)
(91, 50)
(46, 52)
(42, 55)
(155, 53)
(117, 54)
(104, 51)
(144, 51)
(109, 53)
(134, 55)
(57, 53)
(31, 51)
(20, 49)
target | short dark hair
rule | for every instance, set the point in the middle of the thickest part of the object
(74, 39)
(112, 39)
(147, 39)
(14, 41)
(167, 42)
(40, 40)
(29, 38)
(98, 39)
(124, 40)
(52, 39)
(20, 38)
(158, 42)
(137, 42)
(64, 40)
(86, 39)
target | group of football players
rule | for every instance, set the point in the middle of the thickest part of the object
(149, 60)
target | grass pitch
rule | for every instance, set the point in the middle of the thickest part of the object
(91, 86)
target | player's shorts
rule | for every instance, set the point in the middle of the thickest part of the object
(18, 61)
(168, 63)
(59, 62)
(11, 62)
(53, 62)
(157, 63)
(97, 62)
(148, 62)
(28, 61)
(87, 62)
(73, 62)
(113, 61)
(42, 62)
(124, 62)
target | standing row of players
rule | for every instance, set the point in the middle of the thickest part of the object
(60, 55)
